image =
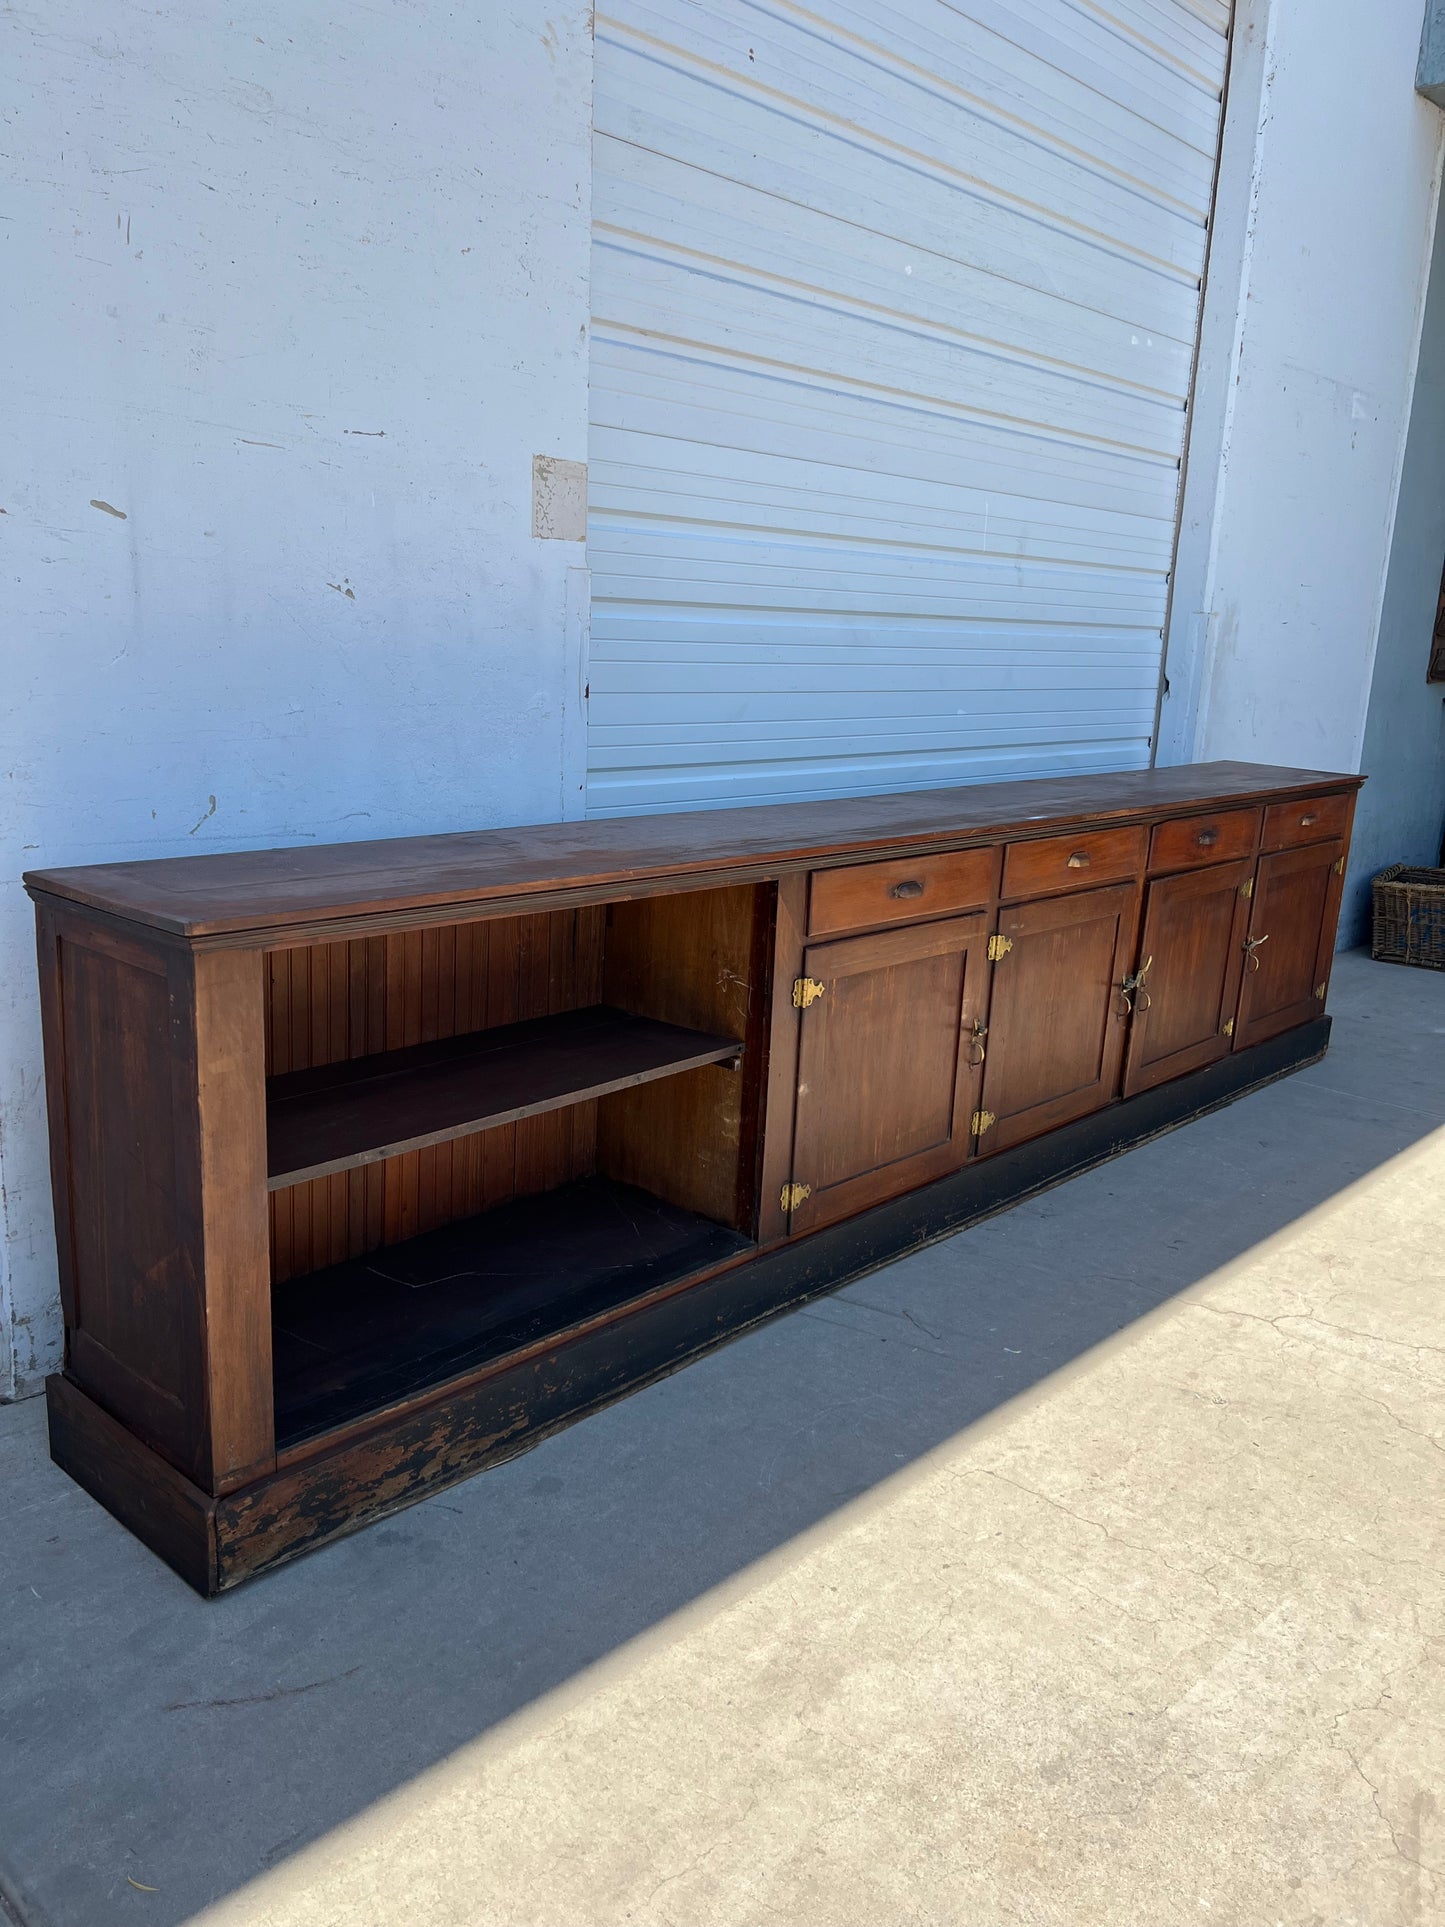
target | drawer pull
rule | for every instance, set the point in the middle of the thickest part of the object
(1310, 816)
(910, 887)
(1251, 946)
(1078, 861)
(1207, 839)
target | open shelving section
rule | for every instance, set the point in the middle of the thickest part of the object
(375, 1330)
(338, 1116)
(480, 1136)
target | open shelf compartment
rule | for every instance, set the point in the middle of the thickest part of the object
(365, 1334)
(338, 1116)
(480, 1138)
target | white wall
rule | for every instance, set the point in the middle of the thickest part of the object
(1312, 319)
(298, 289)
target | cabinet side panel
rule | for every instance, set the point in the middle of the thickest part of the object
(1324, 962)
(52, 1026)
(134, 1336)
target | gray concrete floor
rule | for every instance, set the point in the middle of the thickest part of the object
(1086, 1568)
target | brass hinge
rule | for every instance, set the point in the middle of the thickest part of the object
(999, 946)
(1246, 889)
(1339, 866)
(792, 1195)
(1229, 1028)
(981, 1121)
(1319, 990)
(806, 990)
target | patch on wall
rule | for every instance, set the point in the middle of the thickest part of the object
(559, 499)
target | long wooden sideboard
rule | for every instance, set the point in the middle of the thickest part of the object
(376, 1162)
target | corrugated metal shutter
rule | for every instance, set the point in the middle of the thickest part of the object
(895, 305)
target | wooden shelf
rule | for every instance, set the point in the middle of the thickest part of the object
(341, 1115)
(359, 1336)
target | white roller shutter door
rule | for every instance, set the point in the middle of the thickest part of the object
(894, 315)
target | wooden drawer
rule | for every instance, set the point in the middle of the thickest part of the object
(1315, 820)
(867, 895)
(1194, 840)
(1074, 862)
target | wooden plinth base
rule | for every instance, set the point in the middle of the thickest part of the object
(336, 1485)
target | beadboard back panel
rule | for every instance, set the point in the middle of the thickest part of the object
(332, 1001)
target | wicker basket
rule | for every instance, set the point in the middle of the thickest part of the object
(1410, 917)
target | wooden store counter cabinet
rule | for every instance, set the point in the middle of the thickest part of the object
(375, 1162)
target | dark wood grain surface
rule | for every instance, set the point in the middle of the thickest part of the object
(265, 892)
(1192, 953)
(1056, 1028)
(888, 1068)
(1189, 842)
(1292, 931)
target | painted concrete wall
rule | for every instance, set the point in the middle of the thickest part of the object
(1401, 814)
(1430, 78)
(1312, 317)
(294, 294)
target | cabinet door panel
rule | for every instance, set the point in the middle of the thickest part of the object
(1056, 1018)
(885, 1083)
(1193, 943)
(1292, 934)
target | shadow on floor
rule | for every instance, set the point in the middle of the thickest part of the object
(151, 1741)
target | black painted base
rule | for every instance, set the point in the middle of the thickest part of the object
(215, 1543)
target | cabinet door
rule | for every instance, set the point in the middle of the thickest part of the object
(886, 1081)
(1193, 950)
(1291, 940)
(1057, 1021)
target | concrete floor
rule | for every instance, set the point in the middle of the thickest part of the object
(1086, 1568)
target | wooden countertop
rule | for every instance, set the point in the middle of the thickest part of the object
(257, 896)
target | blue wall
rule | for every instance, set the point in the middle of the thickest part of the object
(1402, 806)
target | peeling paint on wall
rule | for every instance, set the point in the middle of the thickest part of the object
(559, 499)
